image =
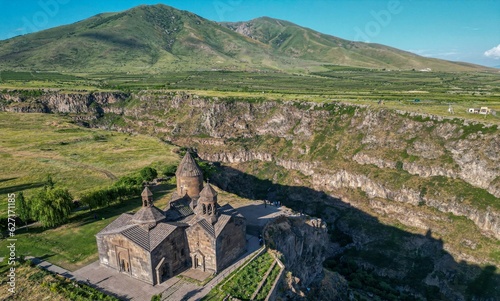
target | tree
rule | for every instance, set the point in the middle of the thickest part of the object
(49, 183)
(170, 170)
(22, 208)
(52, 206)
(148, 173)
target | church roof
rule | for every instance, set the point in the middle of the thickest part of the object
(146, 192)
(226, 213)
(178, 209)
(145, 237)
(148, 215)
(208, 192)
(188, 167)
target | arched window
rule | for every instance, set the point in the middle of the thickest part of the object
(204, 209)
(209, 209)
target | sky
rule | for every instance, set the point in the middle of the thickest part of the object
(456, 30)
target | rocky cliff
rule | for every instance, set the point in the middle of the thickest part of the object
(451, 165)
(94, 104)
(302, 243)
(359, 168)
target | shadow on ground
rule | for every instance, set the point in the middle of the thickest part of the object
(377, 258)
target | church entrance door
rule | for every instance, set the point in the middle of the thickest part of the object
(123, 260)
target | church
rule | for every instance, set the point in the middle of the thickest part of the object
(193, 231)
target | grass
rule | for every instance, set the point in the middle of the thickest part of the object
(397, 89)
(39, 284)
(243, 282)
(73, 245)
(77, 158)
(266, 288)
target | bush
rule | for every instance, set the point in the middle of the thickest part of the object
(148, 173)
(169, 171)
(156, 297)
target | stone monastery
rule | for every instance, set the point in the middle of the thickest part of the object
(193, 231)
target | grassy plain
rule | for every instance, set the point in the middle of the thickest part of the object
(35, 145)
(435, 91)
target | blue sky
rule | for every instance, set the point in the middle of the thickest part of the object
(458, 30)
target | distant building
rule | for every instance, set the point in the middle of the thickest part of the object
(153, 245)
(484, 111)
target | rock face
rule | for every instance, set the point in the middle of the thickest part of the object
(417, 159)
(302, 243)
(95, 104)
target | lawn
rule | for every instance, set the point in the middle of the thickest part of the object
(73, 245)
(35, 145)
(38, 284)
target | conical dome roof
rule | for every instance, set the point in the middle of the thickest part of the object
(188, 167)
(208, 192)
(146, 192)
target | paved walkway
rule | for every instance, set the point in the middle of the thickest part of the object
(50, 267)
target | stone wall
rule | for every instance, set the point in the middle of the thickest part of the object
(231, 243)
(202, 244)
(174, 251)
(193, 186)
(114, 245)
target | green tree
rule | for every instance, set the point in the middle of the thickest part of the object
(148, 173)
(49, 183)
(52, 206)
(22, 208)
(170, 170)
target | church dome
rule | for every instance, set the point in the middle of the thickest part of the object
(188, 167)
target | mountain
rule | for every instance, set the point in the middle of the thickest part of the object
(303, 43)
(160, 38)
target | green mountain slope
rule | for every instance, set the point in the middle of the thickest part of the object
(160, 38)
(303, 43)
(146, 37)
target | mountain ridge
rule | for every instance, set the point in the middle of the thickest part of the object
(156, 38)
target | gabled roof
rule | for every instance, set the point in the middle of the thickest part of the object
(178, 209)
(123, 220)
(226, 213)
(145, 237)
(188, 167)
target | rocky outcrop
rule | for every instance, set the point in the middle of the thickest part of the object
(302, 242)
(307, 168)
(487, 220)
(52, 102)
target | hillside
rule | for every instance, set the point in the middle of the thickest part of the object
(160, 38)
(299, 42)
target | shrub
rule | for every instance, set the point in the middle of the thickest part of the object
(148, 173)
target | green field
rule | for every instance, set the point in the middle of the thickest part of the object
(73, 245)
(412, 91)
(36, 145)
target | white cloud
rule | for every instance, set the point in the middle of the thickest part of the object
(493, 52)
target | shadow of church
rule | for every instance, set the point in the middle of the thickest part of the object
(375, 257)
